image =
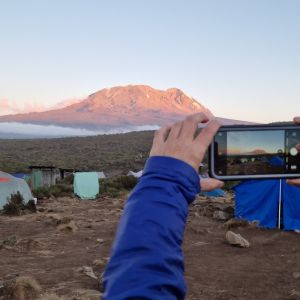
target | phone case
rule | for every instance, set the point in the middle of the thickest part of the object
(211, 158)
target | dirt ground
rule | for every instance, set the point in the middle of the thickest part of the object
(66, 234)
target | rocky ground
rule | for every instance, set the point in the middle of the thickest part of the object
(66, 244)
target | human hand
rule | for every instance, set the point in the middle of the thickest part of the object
(210, 184)
(180, 141)
(295, 181)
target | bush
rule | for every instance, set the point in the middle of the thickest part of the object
(58, 190)
(127, 182)
(61, 190)
(113, 187)
(41, 192)
(15, 205)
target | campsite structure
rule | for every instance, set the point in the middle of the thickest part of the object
(86, 185)
(10, 185)
(44, 176)
(101, 175)
(135, 174)
(273, 203)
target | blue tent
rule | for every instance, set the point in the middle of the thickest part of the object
(214, 193)
(258, 200)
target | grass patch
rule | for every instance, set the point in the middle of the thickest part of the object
(9, 241)
(22, 288)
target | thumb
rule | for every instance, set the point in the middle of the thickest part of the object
(210, 184)
(295, 182)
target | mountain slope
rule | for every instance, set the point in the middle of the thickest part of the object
(131, 105)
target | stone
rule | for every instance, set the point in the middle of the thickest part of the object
(234, 223)
(236, 240)
(296, 275)
(221, 215)
(99, 263)
(88, 271)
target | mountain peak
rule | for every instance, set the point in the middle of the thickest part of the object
(117, 106)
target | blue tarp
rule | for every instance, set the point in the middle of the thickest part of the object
(214, 193)
(258, 200)
(276, 161)
(20, 175)
(291, 207)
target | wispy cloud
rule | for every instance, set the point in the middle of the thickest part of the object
(12, 107)
(34, 130)
(9, 107)
(66, 103)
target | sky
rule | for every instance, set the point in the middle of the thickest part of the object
(248, 141)
(239, 58)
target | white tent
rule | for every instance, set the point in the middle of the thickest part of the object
(11, 185)
(135, 174)
(101, 175)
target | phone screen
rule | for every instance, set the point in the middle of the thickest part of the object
(260, 152)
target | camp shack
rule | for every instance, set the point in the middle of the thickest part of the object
(67, 172)
(44, 176)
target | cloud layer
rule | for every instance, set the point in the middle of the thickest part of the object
(12, 130)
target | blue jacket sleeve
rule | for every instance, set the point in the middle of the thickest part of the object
(147, 260)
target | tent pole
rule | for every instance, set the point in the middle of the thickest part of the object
(279, 203)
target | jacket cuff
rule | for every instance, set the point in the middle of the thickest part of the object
(174, 170)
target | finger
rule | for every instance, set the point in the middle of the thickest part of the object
(210, 184)
(159, 139)
(190, 124)
(295, 182)
(162, 133)
(297, 120)
(175, 131)
(205, 137)
(298, 147)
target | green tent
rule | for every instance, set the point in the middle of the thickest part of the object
(86, 185)
(11, 185)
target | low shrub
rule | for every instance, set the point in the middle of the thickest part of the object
(9, 241)
(113, 187)
(61, 190)
(16, 206)
(58, 190)
(42, 193)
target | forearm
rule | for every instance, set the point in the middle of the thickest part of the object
(147, 260)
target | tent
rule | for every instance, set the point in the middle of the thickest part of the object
(101, 175)
(135, 174)
(214, 193)
(11, 185)
(86, 185)
(20, 175)
(273, 203)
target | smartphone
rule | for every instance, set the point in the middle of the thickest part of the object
(255, 152)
